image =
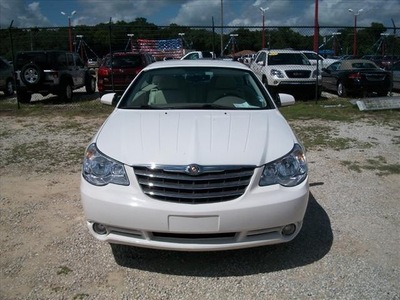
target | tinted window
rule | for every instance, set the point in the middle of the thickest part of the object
(124, 61)
(37, 58)
(287, 59)
(196, 88)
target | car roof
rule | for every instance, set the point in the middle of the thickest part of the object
(197, 63)
(281, 51)
(347, 64)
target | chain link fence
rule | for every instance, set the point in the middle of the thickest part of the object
(94, 42)
(97, 41)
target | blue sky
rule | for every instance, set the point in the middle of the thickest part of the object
(47, 13)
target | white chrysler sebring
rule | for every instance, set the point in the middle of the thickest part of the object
(195, 157)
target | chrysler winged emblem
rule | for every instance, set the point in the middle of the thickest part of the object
(193, 170)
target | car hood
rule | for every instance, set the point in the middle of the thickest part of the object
(179, 137)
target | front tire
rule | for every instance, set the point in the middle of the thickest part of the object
(9, 90)
(65, 92)
(90, 84)
(341, 90)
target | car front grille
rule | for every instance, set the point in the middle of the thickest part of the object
(213, 184)
(298, 73)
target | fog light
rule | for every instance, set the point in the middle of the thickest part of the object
(99, 228)
(288, 229)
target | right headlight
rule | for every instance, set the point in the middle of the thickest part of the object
(99, 169)
(277, 73)
(288, 171)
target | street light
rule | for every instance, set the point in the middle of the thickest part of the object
(335, 34)
(355, 29)
(233, 35)
(182, 35)
(263, 10)
(69, 27)
(130, 42)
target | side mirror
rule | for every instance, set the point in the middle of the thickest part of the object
(284, 100)
(110, 99)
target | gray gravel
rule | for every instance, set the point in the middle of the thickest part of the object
(348, 248)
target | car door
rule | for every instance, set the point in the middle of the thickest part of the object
(329, 76)
(79, 72)
(258, 64)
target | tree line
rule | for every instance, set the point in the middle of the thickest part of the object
(100, 39)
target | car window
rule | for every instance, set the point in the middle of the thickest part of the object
(31, 57)
(70, 60)
(363, 65)
(334, 66)
(125, 61)
(261, 57)
(275, 58)
(311, 55)
(196, 88)
(61, 60)
(78, 61)
(207, 54)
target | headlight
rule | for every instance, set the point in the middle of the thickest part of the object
(99, 169)
(289, 170)
(277, 73)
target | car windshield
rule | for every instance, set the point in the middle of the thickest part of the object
(196, 88)
(287, 59)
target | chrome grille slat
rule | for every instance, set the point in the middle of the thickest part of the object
(191, 186)
(214, 184)
(182, 176)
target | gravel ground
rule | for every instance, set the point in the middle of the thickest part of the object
(348, 247)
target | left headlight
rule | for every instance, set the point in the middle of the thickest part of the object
(288, 171)
(100, 170)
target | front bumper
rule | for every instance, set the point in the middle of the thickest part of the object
(255, 219)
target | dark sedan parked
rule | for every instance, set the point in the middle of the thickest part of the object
(356, 76)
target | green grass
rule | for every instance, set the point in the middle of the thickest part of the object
(84, 108)
(84, 117)
(377, 164)
(337, 109)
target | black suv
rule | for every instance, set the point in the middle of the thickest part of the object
(51, 72)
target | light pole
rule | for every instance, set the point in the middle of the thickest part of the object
(130, 42)
(335, 42)
(182, 35)
(69, 27)
(263, 10)
(355, 29)
(233, 35)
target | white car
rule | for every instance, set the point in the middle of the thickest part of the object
(287, 71)
(195, 157)
(198, 55)
(314, 57)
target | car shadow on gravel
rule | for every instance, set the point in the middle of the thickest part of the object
(313, 243)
